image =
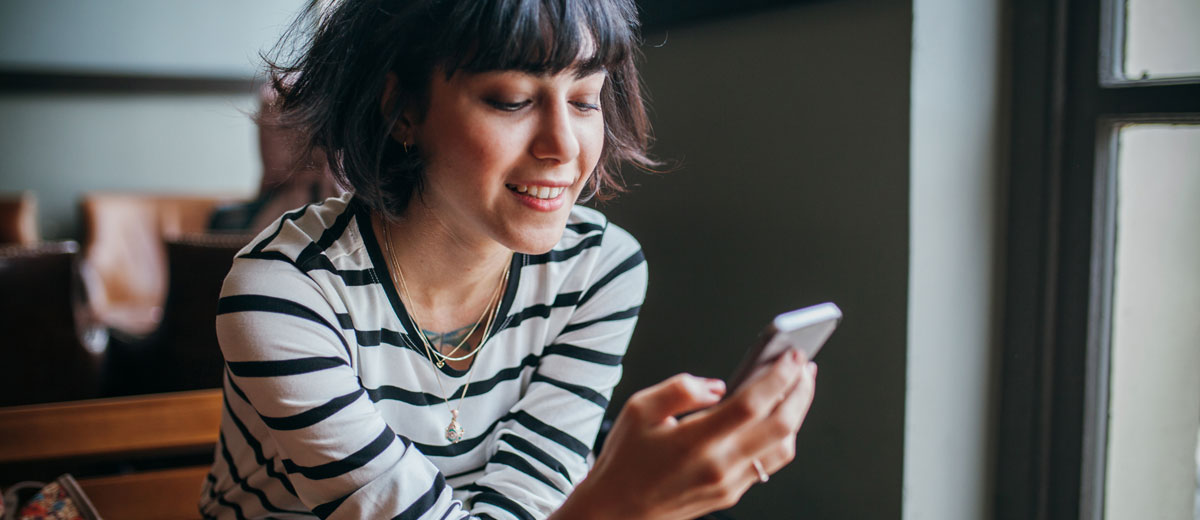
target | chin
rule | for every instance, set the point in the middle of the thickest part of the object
(536, 242)
(537, 247)
(538, 235)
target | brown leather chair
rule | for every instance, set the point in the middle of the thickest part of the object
(197, 264)
(182, 353)
(123, 243)
(51, 346)
(18, 219)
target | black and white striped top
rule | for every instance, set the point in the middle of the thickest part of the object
(332, 409)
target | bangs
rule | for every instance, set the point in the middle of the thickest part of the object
(538, 36)
(343, 62)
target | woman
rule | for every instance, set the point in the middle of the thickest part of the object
(441, 342)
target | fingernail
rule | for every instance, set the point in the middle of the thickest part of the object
(812, 368)
(794, 356)
(716, 386)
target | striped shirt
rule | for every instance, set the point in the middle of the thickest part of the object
(332, 408)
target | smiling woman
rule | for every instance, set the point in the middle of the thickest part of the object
(442, 341)
(499, 144)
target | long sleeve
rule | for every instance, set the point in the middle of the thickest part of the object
(291, 377)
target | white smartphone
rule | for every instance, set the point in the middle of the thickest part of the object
(806, 329)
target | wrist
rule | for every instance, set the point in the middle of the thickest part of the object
(592, 500)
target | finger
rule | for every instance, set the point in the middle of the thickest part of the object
(794, 408)
(762, 472)
(777, 455)
(758, 397)
(773, 440)
(677, 395)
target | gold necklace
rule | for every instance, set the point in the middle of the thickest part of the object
(449, 356)
(442, 358)
(454, 430)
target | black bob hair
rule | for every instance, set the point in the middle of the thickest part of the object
(329, 75)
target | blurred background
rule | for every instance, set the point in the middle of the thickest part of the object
(932, 166)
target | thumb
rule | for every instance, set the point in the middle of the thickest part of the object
(677, 395)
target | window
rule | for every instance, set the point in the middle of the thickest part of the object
(1161, 39)
(1154, 374)
(1098, 219)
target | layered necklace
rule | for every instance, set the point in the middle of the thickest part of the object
(454, 431)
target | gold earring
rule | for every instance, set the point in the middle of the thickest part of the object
(405, 143)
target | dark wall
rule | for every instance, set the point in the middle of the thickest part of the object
(791, 128)
(658, 15)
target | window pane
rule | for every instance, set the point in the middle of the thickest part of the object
(1162, 38)
(1154, 390)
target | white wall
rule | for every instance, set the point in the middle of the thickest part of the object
(212, 37)
(952, 300)
(63, 144)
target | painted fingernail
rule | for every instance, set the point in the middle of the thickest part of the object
(794, 356)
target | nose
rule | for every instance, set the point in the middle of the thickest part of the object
(556, 139)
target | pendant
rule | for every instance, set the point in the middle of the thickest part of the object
(454, 431)
(441, 363)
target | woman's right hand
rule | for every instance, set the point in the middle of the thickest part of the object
(657, 466)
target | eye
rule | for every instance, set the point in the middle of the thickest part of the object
(508, 106)
(586, 107)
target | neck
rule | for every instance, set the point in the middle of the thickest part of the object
(448, 279)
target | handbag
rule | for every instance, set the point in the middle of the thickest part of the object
(61, 499)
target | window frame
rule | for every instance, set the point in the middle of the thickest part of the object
(1069, 101)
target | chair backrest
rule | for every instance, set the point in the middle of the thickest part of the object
(51, 346)
(123, 243)
(18, 219)
(190, 355)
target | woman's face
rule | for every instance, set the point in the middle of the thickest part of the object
(508, 152)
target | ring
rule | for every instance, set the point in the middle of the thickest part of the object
(763, 477)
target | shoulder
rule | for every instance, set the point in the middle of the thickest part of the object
(594, 255)
(584, 220)
(589, 226)
(327, 224)
(590, 240)
(316, 238)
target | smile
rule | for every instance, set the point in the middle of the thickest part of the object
(537, 192)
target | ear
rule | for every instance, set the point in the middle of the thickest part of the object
(387, 105)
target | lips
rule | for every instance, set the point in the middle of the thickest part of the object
(538, 197)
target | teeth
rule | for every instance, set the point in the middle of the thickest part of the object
(540, 192)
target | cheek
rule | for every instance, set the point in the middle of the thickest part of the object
(591, 144)
(465, 152)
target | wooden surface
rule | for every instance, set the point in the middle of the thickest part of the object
(154, 495)
(166, 423)
(171, 494)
